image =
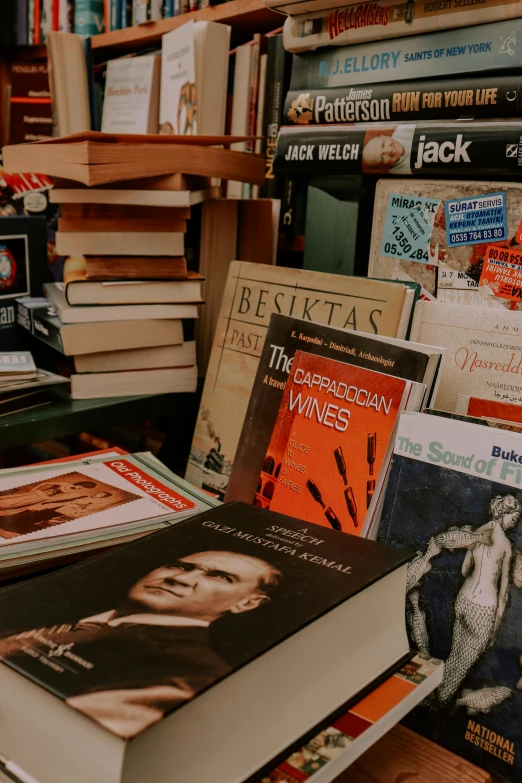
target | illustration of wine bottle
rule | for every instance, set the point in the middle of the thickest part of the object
(332, 518)
(315, 492)
(370, 489)
(351, 505)
(341, 464)
(371, 450)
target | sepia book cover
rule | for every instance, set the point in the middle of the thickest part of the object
(484, 351)
(330, 441)
(252, 293)
(438, 233)
(285, 336)
(454, 496)
(180, 611)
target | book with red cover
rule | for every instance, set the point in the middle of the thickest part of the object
(330, 441)
(489, 409)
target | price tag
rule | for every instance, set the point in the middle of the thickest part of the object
(502, 272)
(474, 221)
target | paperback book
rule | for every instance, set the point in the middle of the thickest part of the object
(499, 408)
(287, 335)
(252, 293)
(454, 496)
(331, 442)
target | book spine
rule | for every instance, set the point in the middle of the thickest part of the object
(95, 118)
(116, 14)
(30, 22)
(22, 22)
(37, 18)
(89, 17)
(56, 15)
(66, 12)
(471, 50)
(276, 69)
(440, 99)
(466, 149)
(126, 14)
(168, 9)
(373, 21)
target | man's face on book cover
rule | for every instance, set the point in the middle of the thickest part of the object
(204, 586)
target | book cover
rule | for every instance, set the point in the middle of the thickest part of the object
(285, 336)
(131, 95)
(72, 500)
(413, 149)
(252, 293)
(454, 496)
(16, 363)
(492, 47)
(484, 350)
(178, 98)
(441, 240)
(228, 587)
(88, 17)
(329, 442)
(375, 21)
(23, 268)
(499, 408)
(497, 95)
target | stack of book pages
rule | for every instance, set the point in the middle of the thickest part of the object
(127, 306)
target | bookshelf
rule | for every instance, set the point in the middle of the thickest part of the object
(245, 16)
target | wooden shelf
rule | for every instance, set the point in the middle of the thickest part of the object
(246, 17)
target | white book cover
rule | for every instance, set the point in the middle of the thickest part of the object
(178, 98)
(484, 350)
(131, 95)
(69, 500)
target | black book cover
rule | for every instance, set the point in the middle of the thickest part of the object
(446, 149)
(277, 79)
(229, 584)
(23, 270)
(286, 336)
(496, 95)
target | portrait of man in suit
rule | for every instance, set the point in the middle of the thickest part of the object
(140, 660)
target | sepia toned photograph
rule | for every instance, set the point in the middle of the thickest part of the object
(35, 507)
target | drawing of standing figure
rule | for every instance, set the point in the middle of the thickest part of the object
(482, 599)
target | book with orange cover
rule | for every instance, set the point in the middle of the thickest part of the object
(97, 158)
(490, 409)
(330, 445)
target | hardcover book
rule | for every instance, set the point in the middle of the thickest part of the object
(441, 241)
(253, 292)
(483, 350)
(454, 496)
(178, 628)
(331, 443)
(16, 365)
(500, 408)
(470, 50)
(375, 21)
(287, 335)
(427, 99)
(413, 149)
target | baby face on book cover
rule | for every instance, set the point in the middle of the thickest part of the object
(128, 637)
(329, 441)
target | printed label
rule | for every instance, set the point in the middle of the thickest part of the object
(168, 497)
(473, 221)
(451, 278)
(502, 272)
(408, 227)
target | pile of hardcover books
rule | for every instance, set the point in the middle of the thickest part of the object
(126, 309)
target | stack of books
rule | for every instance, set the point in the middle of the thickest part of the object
(23, 386)
(126, 289)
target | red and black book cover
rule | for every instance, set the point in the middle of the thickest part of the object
(330, 441)
(285, 336)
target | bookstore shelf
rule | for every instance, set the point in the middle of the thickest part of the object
(245, 16)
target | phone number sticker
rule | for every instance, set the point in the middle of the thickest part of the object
(408, 227)
(474, 221)
(502, 272)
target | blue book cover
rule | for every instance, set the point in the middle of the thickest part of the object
(454, 495)
(88, 17)
(485, 47)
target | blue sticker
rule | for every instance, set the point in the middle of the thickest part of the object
(407, 228)
(473, 221)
